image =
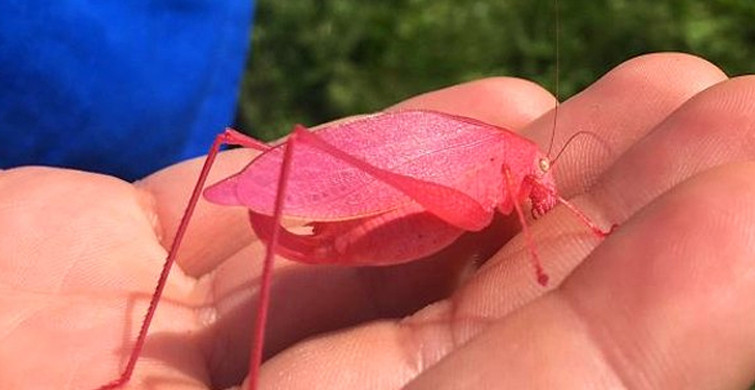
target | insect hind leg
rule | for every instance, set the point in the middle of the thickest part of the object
(227, 137)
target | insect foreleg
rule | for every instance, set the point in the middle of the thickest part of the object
(542, 277)
(586, 220)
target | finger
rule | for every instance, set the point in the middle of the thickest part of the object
(646, 310)
(621, 108)
(697, 136)
(715, 127)
(215, 232)
(508, 102)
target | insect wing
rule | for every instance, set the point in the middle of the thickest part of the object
(457, 152)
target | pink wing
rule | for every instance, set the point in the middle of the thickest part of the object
(457, 152)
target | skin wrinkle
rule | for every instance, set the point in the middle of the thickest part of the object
(415, 362)
(589, 326)
(455, 327)
(150, 207)
(419, 362)
(209, 353)
(21, 320)
(214, 349)
(454, 322)
(425, 359)
(66, 273)
(148, 203)
(177, 182)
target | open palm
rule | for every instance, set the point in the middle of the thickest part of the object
(664, 302)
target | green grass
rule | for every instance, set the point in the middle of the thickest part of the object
(313, 61)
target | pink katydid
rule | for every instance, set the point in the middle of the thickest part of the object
(381, 189)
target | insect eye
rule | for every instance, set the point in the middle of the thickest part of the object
(544, 165)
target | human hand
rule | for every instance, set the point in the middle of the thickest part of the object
(661, 303)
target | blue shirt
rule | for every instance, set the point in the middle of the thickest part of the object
(124, 87)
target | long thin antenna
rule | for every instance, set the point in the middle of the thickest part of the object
(574, 136)
(602, 142)
(556, 76)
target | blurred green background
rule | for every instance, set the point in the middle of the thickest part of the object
(317, 60)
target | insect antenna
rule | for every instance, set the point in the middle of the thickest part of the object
(555, 76)
(600, 140)
(553, 160)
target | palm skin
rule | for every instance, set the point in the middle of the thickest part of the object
(664, 302)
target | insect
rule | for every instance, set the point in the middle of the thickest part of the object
(381, 189)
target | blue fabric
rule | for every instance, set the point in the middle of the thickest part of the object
(119, 87)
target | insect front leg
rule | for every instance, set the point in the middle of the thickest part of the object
(540, 192)
(586, 220)
(510, 185)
